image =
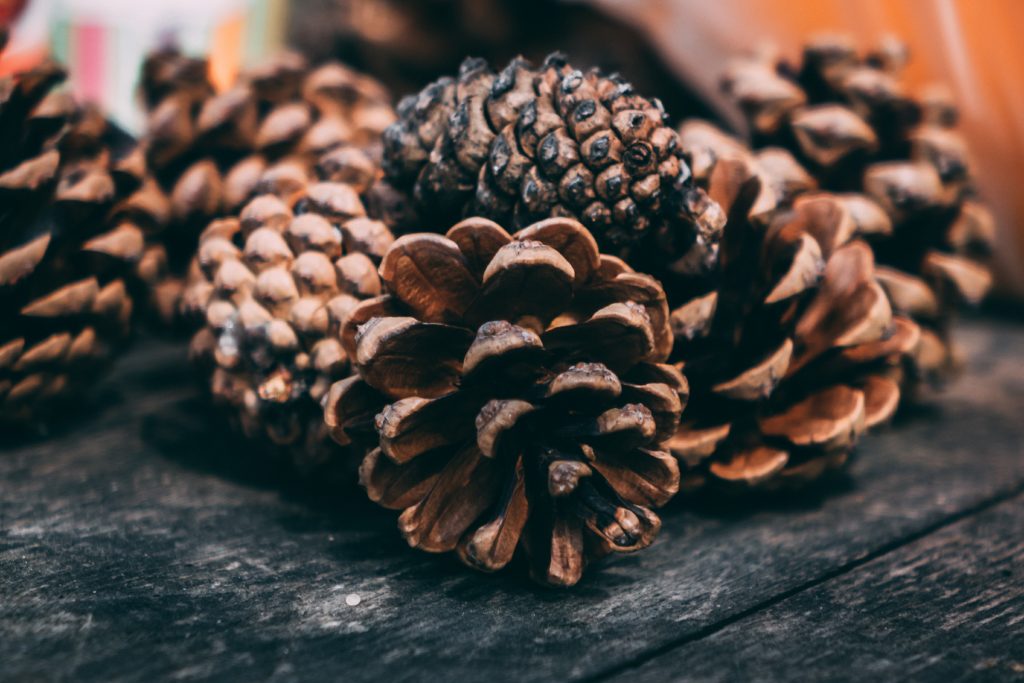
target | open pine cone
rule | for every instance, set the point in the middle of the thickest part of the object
(792, 350)
(854, 125)
(63, 300)
(531, 143)
(272, 130)
(274, 285)
(520, 395)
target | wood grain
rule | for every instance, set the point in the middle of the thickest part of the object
(154, 546)
(948, 607)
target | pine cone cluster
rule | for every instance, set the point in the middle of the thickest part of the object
(512, 393)
(273, 286)
(278, 128)
(64, 250)
(792, 349)
(530, 143)
(852, 122)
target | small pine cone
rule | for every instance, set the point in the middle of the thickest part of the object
(520, 395)
(275, 285)
(63, 300)
(527, 144)
(792, 350)
(851, 121)
(276, 129)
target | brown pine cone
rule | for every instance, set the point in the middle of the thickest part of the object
(63, 300)
(520, 395)
(850, 120)
(527, 144)
(274, 285)
(280, 126)
(792, 350)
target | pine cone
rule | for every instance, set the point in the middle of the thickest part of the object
(274, 285)
(851, 121)
(527, 144)
(63, 300)
(520, 395)
(212, 152)
(792, 350)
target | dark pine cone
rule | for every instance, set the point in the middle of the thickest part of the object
(527, 144)
(792, 351)
(63, 300)
(852, 122)
(520, 395)
(211, 152)
(274, 287)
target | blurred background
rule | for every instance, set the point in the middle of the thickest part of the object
(674, 49)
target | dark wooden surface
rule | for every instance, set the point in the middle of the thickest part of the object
(147, 544)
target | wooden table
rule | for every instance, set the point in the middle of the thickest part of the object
(146, 544)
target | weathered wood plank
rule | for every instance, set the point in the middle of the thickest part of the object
(127, 557)
(948, 607)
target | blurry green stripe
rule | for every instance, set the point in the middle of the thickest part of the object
(60, 40)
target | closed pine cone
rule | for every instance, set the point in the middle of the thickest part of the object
(520, 394)
(852, 122)
(63, 300)
(211, 152)
(531, 143)
(792, 350)
(274, 286)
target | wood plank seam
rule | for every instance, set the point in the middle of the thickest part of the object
(882, 551)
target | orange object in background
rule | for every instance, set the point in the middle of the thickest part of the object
(15, 60)
(972, 46)
(225, 52)
(9, 11)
